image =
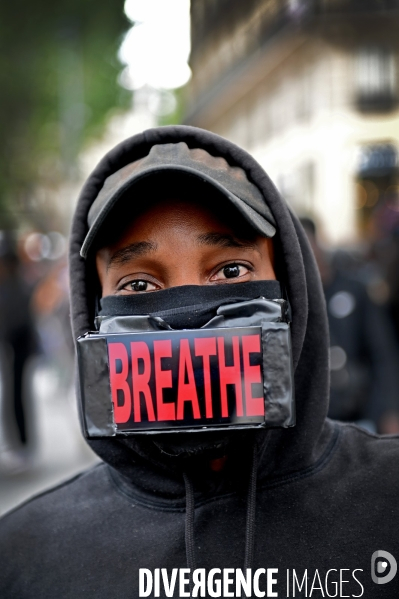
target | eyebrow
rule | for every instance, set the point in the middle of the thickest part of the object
(224, 240)
(134, 250)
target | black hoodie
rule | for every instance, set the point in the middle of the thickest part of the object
(326, 493)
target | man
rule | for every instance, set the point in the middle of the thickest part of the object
(182, 256)
(17, 345)
(364, 383)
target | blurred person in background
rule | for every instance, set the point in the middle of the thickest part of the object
(50, 306)
(17, 345)
(384, 233)
(364, 353)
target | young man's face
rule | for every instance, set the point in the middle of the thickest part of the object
(177, 243)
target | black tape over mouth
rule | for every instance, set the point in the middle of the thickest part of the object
(249, 338)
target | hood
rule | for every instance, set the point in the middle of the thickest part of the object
(280, 451)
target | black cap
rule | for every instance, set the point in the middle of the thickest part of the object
(231, 181)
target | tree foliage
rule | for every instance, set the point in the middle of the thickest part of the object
(58, 81)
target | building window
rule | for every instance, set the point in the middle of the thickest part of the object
(375, 80)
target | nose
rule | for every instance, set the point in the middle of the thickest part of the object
(184, 270)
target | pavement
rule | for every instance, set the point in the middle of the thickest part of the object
(57, 450)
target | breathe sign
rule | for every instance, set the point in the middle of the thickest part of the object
(185, 379)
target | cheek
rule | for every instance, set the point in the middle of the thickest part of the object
(102, 274)
(266, 248)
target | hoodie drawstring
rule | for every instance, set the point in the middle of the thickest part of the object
(251, 511)
(250, 522)
(189, 535)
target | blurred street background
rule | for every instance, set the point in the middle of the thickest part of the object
(309, 87)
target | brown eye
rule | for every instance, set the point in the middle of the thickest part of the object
(139, 285)
(231, 271)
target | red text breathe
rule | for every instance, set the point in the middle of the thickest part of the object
(185, 377)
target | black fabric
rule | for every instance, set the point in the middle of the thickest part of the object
(326, 494)
(188, 306)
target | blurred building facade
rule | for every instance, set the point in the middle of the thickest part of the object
(311, 89)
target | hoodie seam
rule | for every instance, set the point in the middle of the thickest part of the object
(120, 488)
(58, 487)
(314, 469)
(369, 434)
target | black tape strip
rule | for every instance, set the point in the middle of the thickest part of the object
(95, 389)
(278, 375)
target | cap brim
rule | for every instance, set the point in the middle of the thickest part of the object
(101, 211)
